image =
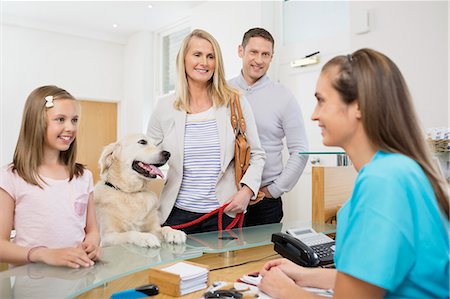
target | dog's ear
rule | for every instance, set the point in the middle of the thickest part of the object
(153, 141)
(107, 156)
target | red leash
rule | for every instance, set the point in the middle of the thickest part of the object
(239, 218)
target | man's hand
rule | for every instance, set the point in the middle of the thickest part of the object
(266, 192)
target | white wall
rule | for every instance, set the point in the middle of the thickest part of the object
(30, 58)
(138, 84)
(414, 35)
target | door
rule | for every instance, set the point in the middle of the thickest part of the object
(98, 128)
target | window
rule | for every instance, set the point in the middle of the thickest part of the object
(170, 45)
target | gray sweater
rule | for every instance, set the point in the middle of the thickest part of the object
(277, 115)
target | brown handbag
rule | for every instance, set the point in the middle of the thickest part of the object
(241, 147)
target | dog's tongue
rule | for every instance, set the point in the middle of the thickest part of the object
(152, 169)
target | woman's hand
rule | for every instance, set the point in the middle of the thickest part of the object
(292, 270)
(277, 284)
(69, 257)
(304, 277)
(240, 200)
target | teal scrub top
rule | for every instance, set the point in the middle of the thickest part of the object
(392, 233)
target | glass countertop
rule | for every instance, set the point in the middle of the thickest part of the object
(43, 281)
(321, 153)
(247, 237)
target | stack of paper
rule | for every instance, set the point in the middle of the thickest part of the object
(192, 278)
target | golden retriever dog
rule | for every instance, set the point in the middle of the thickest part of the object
(127, 210)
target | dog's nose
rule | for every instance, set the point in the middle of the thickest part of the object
(165, 154)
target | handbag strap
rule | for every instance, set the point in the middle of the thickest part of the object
(237, 120)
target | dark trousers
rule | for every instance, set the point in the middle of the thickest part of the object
(268, 210)
(179, 216)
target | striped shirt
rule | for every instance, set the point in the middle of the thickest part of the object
(201, 165)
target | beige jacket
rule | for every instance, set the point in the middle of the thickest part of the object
(166, 128)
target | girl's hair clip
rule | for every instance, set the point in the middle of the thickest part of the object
(350, 58)
(49, 101)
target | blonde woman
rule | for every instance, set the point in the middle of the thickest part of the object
(392, 238)
(195, 127)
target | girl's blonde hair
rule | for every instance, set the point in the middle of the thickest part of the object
(29, 151)
(218, 88)
(388, 115)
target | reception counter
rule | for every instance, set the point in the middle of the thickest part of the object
(43, 281)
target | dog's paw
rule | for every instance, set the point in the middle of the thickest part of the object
(147, 240)
(142, 239)
(171, 235)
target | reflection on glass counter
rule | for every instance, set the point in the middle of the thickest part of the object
(321, 153)
(327, 158)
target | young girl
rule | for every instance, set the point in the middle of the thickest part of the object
(392, 236)
(44, 194)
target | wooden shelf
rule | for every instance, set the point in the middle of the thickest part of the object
(331, 187)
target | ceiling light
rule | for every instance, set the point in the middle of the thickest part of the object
(150, 6)
(115, 25)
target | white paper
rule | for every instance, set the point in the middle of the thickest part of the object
(190, 282)
(256, 280)
(193, 289)
(320, 292)
(185, 270)
(192, 278)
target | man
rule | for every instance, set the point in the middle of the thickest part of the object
(277, 115)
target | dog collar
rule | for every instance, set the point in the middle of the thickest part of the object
(118, 189)
(112, 186)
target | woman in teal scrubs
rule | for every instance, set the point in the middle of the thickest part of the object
(393, 233)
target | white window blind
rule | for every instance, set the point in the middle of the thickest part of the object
(170, 45)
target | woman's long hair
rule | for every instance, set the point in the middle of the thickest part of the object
(388, 115)
(29, 152)
(218, 88)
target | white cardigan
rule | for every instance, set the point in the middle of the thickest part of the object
(166, 128)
